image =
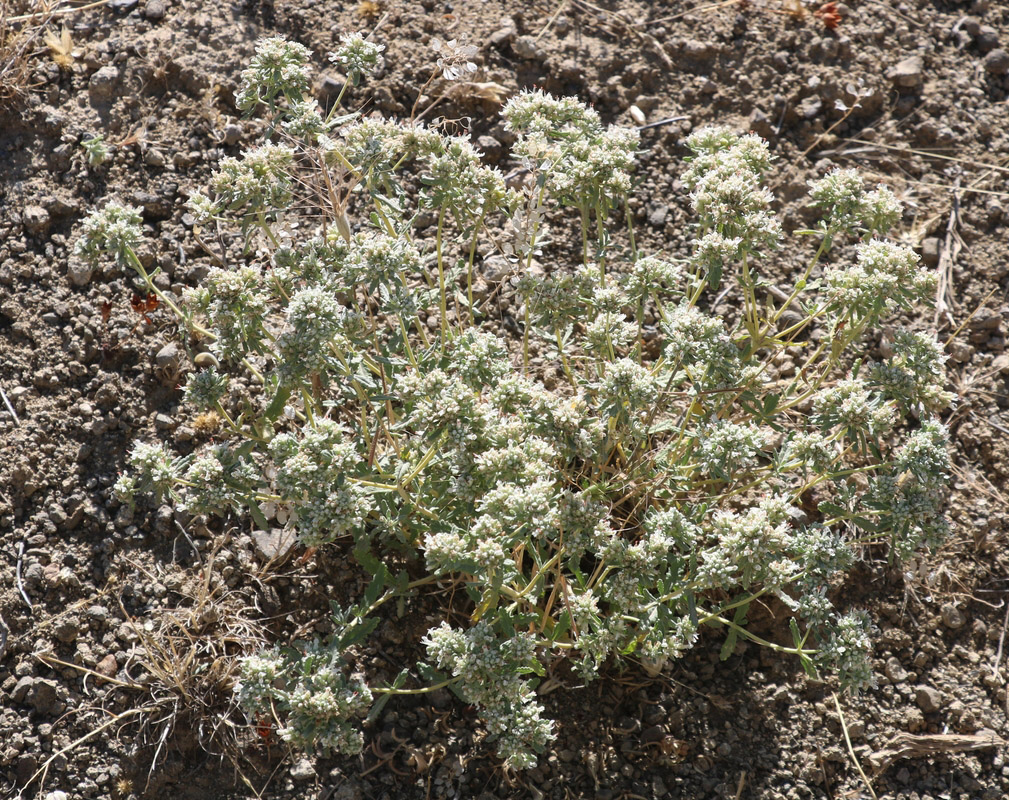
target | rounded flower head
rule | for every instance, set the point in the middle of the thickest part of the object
(112, 231)
(279, 67)
(357, 56)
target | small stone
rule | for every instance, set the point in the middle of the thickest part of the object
(1001, 365)
(505, 33)
(98, 615)
(275, 543)
(907, 74)
(108, 666)
(123, 6)
(43, 696)
(21, 689)
(232, 133)
(528, 48)
(986, 319)
(637, 115)
(928, 699)
(952, 617)
(103, 83)
(303, 770)
(657, 217)
(154, 10)
(56, 795)
(35, 218)
(997, 62)
(930, 249)
(66, 630)
(168, 357)
(154, 158)
(895, 670)
(697, 50)
(987, 39)
(760, 123)
(811, 107)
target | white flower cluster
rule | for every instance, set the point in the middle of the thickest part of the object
(750, 548)
(279, 67)
(699, 344)
(726, 448)
(915, 374)
(479, 358)
(311, 473)
(315, 318)
(256, 183)
(112, 231)
(653, 277)
(726, 193)
(216, 481)
(851, 406)
(585, 164)
(848, 651)
(489, 672)
(913, 494)
(235, 304)
(356, 56)
(313, 692)
(457, 180)
(628, 385)
(204, 389)
(154, 470)
(850, 208)
(885, 276)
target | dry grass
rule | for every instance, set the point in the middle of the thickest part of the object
(180, 675)
(18, 40)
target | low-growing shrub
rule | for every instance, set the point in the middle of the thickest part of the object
(659, 480)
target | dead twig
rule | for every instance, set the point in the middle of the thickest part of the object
(909, 745)
(1001, 641)
(10, 408)
(17, 575)
(944, 302)
(4, 633)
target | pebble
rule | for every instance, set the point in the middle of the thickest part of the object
(57, 795)
(167, 357)
(1001, 365)
(895, 670)
(930, 249)
(997, 62)
(232, 133)
(505, 33)
(697, 50)
(275, 543)
(303, 770)
(66, 630)
(35, 218)
(154, 10)
(928, 699)
(637, 115)
(43, 696)
(21, 689)
(952, 617)
(528, 48)
(907, 74)
(987, 39)
(103, 83)
(123, 6)
(154, 158)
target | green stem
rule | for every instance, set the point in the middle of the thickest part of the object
(443, 307)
